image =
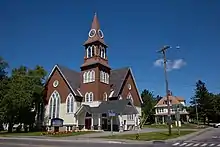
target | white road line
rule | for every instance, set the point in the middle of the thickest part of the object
(175, 144)
(196, 144)
(204, 144)
(218, 145)
(212, 144)
(189, 144)
(183, 144)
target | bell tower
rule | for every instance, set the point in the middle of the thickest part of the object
(95, 71)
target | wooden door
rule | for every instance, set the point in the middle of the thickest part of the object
(88, 123)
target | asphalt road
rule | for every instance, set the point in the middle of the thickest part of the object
(45, 143)
(209, 138)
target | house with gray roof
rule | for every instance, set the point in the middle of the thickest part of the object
(86, 99)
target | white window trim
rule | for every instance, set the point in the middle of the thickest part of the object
(104, 77)
(89, 76)
(89, 97)
(105, 97)
(70, 105)
(130, 97)
(54, 100)
(130, 117)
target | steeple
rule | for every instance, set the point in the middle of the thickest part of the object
(95, 33)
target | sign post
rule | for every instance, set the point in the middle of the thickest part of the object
(111, 114)
(112, 125)
(178, 119)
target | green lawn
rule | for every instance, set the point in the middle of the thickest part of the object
(6, 134)
(20, 134)
(149, 136)
(183, 126)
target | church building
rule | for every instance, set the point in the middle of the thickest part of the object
(89, 98)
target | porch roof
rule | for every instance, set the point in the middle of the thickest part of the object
(124, 107)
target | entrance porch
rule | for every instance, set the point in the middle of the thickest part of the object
(162, 119)
(97, 118)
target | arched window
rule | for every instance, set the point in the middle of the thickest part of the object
(92, 75)
(107, 78)
(101, 76)
(90, 97)
(89, 52)
(92, 50)
(130, 97)
(105, 96)
(88, 76)
(102, 52)
(54, 105)
(50, 107)
(84, 77)
(87, 97)
(104, 77)
(69, 103)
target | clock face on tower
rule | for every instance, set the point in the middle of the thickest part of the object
(101, 35)
(92, 33)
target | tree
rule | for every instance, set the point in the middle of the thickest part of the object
(148, 106)
(3, 67)
(204, 100)
(3, 85)
(22, 101)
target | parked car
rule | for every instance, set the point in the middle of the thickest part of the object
(216, 125)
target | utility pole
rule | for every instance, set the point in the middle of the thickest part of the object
(163, 51)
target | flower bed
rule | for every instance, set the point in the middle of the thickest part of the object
(66, 133)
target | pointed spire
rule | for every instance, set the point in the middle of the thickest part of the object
(95, 33)
(95, 22)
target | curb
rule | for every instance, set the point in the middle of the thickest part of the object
(110, 141)
(189, 136)
(58, 140)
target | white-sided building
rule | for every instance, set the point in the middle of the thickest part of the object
(161, 110)
(83, 100)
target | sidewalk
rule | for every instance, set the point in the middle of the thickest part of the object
(92, 138)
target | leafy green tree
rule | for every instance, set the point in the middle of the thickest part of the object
(204, 100)
(3, 85)
(3, 67)
(24, 96)
(148, 106)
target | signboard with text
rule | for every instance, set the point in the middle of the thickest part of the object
(111, 113)
(56, 122)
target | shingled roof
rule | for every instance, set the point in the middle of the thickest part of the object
(123, 107)
(72, 78)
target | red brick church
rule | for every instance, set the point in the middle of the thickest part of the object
(84, 100)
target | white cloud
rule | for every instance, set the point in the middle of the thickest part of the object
(171, 65)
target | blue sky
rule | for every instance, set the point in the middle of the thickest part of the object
(48, 32)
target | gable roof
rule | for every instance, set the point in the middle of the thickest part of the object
(174, 100)
(117, 79)
(123, 107)
(72, 78)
